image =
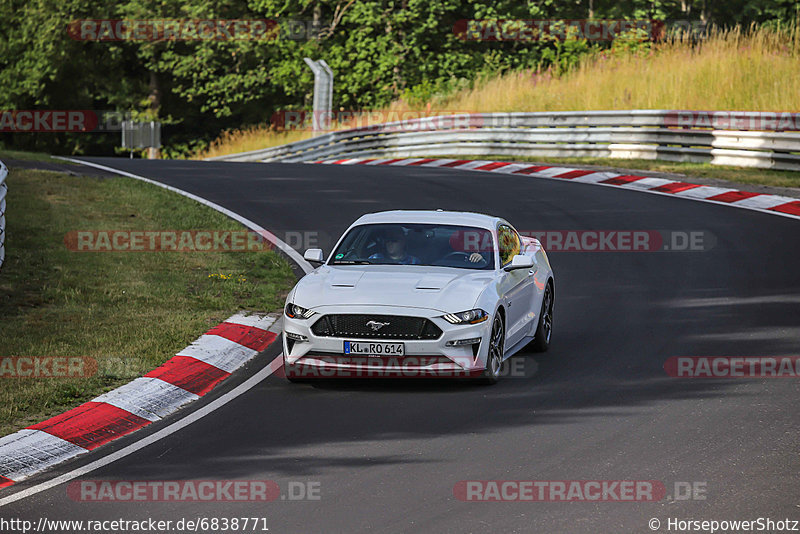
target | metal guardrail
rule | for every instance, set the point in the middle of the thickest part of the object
(141, 134)
(642, 134)
(3, 191)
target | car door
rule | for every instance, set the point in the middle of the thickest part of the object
(517, 287)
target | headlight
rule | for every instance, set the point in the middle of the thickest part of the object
(467, 317)
(294, 311)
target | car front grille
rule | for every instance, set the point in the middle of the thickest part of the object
(394, 327)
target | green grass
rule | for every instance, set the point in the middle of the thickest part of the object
(742, 175)
(752, 69)
(30, 156)
(131, 311)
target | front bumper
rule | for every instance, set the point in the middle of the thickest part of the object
(324, 356)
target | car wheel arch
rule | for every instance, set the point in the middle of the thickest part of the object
(502, 312)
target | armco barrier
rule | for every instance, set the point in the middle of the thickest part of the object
(747, 139)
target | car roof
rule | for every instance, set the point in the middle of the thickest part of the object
(456, 218)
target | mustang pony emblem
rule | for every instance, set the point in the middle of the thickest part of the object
(375, 325)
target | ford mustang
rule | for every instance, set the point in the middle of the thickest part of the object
(419, 293)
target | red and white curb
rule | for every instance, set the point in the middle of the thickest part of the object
(187, 376)
(772, 204)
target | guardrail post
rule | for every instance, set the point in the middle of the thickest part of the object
(327, 94)
(3, 191)
(142, 135)
(323, 94)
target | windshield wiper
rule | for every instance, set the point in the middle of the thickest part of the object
(352, 262)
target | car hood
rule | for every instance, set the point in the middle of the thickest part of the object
(439, 288)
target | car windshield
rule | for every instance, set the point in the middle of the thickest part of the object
(416, 244)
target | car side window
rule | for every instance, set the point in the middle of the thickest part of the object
(508, 243)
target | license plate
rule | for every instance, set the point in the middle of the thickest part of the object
(369, 348)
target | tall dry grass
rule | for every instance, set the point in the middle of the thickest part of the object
(756, 69)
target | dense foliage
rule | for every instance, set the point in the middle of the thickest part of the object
(380, 50)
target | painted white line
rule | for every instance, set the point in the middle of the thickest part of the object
(259, 321)
(704, 191)
(407, 161)
(763, 201)
(473, 164)
(27, 452)
(647, 183)
(220, 352)
(147, 397)
(513, 167)
(437, 162)
(149, 440)
(277, 327)
(272, 238)
(555, 171)
(594, 177)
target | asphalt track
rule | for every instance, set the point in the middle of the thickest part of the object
(599, 407)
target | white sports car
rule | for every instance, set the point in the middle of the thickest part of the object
(419, 293)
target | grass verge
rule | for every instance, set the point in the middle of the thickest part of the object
(737, 69)
(30, 156)
(130, 311)
(742, 175)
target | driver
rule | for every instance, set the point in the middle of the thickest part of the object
(475, 257)
(394, 240)
(469, 242)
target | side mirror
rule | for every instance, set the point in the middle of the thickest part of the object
(314, 255)
(520, 262)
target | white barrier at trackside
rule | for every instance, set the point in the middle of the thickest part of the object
(754, 139)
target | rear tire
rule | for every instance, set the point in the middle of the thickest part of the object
(494, 359)
(544, 330)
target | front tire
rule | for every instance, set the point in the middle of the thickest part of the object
(544, 330)
(293, 374)
(494, 359)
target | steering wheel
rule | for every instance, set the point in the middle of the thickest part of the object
(465, 257)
